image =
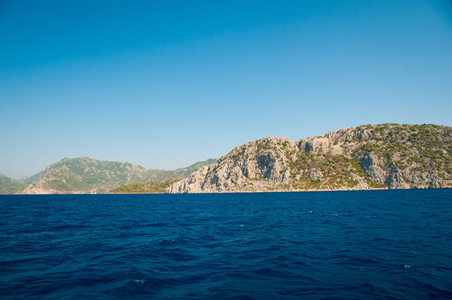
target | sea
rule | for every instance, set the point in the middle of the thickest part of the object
(391, 244)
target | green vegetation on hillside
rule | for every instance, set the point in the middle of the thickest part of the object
(10, 186)
(145, 188)
(423, 147)
(337, 170)
(411, 148)
(86, 175)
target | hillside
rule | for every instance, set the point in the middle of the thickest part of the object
(9, 186)
(390, 156)
(144, 188)
(86, 175)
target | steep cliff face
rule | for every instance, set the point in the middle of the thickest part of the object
(372, 156)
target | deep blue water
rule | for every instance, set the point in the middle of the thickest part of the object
(336, 245)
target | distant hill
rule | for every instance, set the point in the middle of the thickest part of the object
(29, 179)
(86, 175)
(390, 156)
(9, 186)
(181, 172)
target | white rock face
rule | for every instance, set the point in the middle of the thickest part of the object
(315, 174)
(316, 144)
(247, 168)
(372, 165)
(395, 179)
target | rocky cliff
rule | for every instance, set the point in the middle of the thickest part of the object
(390, 156)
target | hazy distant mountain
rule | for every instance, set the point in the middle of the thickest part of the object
(9, 185)
(29, 179)
(86, 175)
(181, 172)
(372, 156)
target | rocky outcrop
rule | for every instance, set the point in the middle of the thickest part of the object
(372, 165)
(257, 165)
(394, 178)
(390, 156)
(315, 174)
(316, 145)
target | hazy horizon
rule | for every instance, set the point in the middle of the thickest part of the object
(164, 85)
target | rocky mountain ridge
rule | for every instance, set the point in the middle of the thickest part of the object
(380, 156)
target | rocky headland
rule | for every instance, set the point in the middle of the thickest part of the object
(384, 156)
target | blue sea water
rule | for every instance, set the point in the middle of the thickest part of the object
(309, 245)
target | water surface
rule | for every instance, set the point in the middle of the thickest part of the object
(336, 245)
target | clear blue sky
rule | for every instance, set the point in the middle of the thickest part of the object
(164, 84)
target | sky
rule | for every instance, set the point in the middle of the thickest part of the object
(164, 84)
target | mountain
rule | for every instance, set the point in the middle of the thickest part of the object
(9, 186)
(390, 156)
(86, 175)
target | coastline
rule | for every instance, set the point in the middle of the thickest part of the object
(228, 192)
